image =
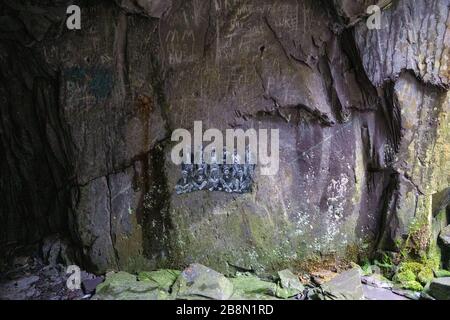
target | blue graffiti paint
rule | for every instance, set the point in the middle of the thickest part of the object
(101, 83)
(75, 74)
(98, 80)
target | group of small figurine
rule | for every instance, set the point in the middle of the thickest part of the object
(235, 177)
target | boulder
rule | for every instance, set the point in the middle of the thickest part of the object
(248, 286)
(409, 294)
(376, 293)
(200, 282)
(413, 275)
(163, 278)
(345, 286)
(377, 281)
(124, 286)
(89, 285)
(290, 282)
(440, 288)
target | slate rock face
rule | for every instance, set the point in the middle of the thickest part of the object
(87, 117)
(403, 41)
(273, 69)
(150, 8)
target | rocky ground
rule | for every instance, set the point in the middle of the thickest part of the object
(40, 272)
(31, 279)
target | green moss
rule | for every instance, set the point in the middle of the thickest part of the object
(433, 258)
(251, 287)
(412, 285)
(250, 284)
(164, 278)
(124, 286)
(413, 271)
(418, 241)
(425, 275)
(414, 267)
(115, 282)
(366, 269)
(386, 265)
(418, 255)
(404, 276)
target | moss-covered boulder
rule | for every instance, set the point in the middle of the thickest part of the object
(200, 282)
(125, 286)
(290, 282)
(248, 286)
(413, 275)
(164, 278)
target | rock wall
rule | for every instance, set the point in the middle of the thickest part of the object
(87, 117)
